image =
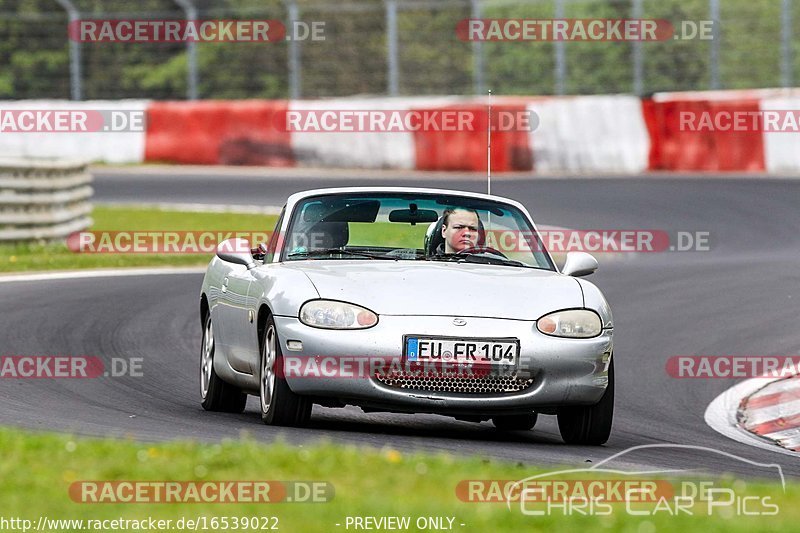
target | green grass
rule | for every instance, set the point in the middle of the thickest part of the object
(391, 234)
(38, 257)
(38, 469)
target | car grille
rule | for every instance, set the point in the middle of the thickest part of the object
(465, 385)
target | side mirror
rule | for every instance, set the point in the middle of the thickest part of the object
(236, 251)
(579, 264)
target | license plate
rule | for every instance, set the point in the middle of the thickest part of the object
(483, 352)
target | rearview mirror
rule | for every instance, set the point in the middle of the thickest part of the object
(579, 264)
(413, 216)
(236, 251)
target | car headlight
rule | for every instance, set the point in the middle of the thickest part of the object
(330, 314)
(573, 323)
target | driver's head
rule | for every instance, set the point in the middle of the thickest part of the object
(460, 229)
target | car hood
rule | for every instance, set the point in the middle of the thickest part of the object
(443, 288)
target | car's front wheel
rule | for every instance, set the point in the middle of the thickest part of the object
(515, 422)
(279, 405)
(589, 424)
(216, 395)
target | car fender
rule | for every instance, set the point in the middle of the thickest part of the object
(281, 289)
(593, 299)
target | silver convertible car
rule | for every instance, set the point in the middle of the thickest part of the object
(407, 300)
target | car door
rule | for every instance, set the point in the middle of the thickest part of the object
(235, 309)
(241, 313)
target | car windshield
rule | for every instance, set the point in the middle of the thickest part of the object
(413, 227)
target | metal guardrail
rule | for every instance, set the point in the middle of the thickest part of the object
(43, 200)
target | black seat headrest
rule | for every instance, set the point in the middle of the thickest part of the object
(433, 237)
(324, 235)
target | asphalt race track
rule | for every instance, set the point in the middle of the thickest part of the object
(740, 298)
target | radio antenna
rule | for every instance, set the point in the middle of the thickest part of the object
(489, 148)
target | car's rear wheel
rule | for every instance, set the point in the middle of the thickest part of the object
(515, 422)
(216, 395)
(589, 424)
(279, 405)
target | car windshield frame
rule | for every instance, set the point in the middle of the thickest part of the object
(443, 200)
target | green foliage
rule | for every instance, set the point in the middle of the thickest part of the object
(34, 50)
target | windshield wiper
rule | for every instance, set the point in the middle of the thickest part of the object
(338, 251)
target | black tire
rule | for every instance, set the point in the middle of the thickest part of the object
(589, 425)
(284, 407)
(216, 395)
(515, 422)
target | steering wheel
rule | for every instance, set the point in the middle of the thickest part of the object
(482, 250)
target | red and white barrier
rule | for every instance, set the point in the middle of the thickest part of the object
(678, 146)
(108, 146)
(466, 148)
(575, 134)
(773, 413)
(214, 132)
(781, 153)
(590, 134)
(359, 149)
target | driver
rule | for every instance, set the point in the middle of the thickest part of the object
(460, 230)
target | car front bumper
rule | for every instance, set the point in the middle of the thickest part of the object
(563, 371)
